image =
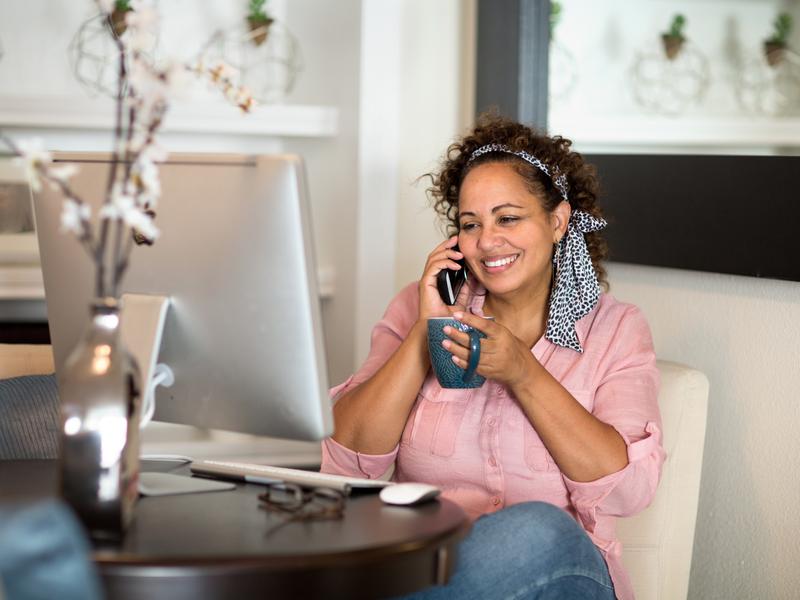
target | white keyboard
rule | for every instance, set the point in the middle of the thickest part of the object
(255, 473)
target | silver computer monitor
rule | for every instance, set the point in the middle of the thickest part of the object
(243, 332)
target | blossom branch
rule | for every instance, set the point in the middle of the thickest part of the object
(133, 186)
(223, 76)
(100, 276)
(37, 166)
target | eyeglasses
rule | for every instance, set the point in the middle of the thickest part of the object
(298, 504)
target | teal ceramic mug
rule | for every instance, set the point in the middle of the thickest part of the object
(447, 372)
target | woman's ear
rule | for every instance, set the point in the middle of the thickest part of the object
(560, 219)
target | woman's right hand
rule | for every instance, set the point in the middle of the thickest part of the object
(430, 303)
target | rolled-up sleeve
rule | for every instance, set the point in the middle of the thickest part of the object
(627, 399)
(340, 460)
(387, 335)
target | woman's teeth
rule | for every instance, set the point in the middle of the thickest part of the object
(501, 261)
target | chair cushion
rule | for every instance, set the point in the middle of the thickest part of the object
(29, 417)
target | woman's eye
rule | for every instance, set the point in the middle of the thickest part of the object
(468, 226)
(507, 220)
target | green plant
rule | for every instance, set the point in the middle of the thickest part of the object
(256, 12)
(555, 15)
(782, 27)
(122, 5)
(676, 27)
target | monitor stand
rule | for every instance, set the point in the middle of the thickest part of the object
(141, 328)
(167, 484)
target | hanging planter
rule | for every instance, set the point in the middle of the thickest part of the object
(258, 22)
(775, 53)
(674, 39)
(116, 20)
(776, 45)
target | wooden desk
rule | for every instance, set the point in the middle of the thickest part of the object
(221, 545)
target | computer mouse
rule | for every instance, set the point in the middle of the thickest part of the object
(408, 493)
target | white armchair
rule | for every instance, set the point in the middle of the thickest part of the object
(658, 542)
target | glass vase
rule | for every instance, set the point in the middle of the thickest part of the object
(100, 396)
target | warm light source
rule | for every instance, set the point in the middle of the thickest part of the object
(72, 425)
(102, 359)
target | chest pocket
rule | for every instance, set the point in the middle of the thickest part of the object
(435, 421)
(537, 457)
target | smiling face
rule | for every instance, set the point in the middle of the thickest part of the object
(505, 233)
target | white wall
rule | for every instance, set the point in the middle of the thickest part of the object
(408, 119)
(436, 104)
(605, 39)
(744, 333)
(330, 34)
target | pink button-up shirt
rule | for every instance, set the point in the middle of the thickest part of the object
(478, 446)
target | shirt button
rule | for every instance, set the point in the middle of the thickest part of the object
(491, 422)
(492, 461)
(496, 500)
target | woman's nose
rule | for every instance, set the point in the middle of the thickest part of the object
(488, 239)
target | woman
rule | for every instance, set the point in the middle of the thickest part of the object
(564, 436)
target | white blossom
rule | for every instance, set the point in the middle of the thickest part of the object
(147, 85)
(62, 173)
(138, 141)
(73, 216)
(33, 155)
(231, 93)
(150, 184)
(123, 207)
(155, 152)
(245, 100)
(141, 222)
(199, 68)
(223, 76)
(120, 204)
(222, 71)
(142, 23)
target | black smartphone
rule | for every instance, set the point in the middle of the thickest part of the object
(450, 281)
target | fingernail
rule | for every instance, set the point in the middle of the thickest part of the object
(447, 329)
(458, 315)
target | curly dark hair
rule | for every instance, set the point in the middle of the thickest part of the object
(553, 151)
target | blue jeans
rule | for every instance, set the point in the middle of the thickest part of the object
(45, 554)
(529, 550)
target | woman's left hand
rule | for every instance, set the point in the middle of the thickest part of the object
(504, 357)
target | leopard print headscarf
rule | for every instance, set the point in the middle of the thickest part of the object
(575, 290)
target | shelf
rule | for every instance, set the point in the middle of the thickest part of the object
(668, 132)
(21, 283)
(24, 282)
(202, 117)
